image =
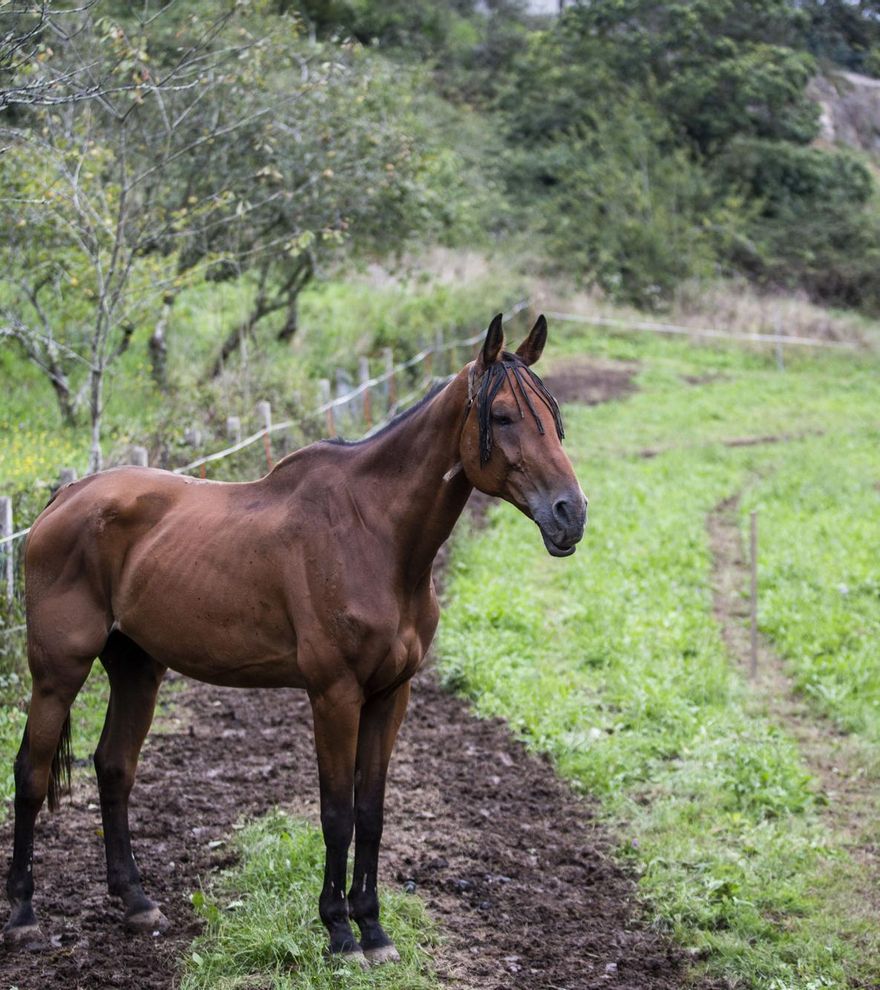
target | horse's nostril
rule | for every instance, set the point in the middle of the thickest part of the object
(562, 511)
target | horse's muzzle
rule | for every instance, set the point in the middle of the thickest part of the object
(562, 520)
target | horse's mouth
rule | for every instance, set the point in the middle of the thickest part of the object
(557, 549)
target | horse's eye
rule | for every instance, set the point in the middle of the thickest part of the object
(502, 419)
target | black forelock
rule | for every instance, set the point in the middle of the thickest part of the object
(511, 366)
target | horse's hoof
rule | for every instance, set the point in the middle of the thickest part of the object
(24, 937)
(383, 954)
(151, 922)
(354, 958)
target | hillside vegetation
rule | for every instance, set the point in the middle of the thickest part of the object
(175, 177)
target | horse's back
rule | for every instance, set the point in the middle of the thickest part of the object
(98, 509)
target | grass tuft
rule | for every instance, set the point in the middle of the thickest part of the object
(262, 928)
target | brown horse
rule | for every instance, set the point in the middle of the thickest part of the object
(317, 576)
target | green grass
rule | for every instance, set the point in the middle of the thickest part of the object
(820, 577)
(613, 663)
(263, 930)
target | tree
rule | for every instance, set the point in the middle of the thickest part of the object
(216, 147)
(86, 205)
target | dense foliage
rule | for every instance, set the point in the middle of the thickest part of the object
(629, 144)
(647, 143)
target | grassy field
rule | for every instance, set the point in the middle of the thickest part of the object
(614, 664)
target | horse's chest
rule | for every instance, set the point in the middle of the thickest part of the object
(401, 660)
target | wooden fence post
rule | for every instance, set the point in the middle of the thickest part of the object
(344, 386)
(324, 392)
(7, 550)
(138, 456)
(777, 330)
(233, 428)
(264, 416)
(363, 378)
(192, 435)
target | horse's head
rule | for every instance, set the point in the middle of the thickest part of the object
(511, 443)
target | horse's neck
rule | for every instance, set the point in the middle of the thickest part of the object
(422, 495)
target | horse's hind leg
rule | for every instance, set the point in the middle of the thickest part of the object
(41, 764)
(134, 684)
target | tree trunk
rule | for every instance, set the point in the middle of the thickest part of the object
(96, 411)
(158, 345)
(286, 295)
(66, 403)
(291, 320)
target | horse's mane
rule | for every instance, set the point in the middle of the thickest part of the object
(394, 423)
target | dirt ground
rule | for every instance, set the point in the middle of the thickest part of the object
(513, 865)
(590, 382)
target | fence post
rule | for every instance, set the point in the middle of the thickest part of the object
(233, 428)
(390, 384)
(753, 543)
(7, 550)
(777, 330)
(344, 387)
(192, 435)
(264, 414)
(138, 456)
(66, 476)
(324, 392)
(429, 364)
(366, 398)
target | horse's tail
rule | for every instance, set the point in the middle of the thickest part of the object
(59, 775)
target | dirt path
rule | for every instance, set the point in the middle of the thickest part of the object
(846, 773)
(512, 864)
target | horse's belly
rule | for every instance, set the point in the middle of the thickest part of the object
(250, 674)
(220, 655)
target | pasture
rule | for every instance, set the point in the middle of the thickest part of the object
(728, 825)
(230, 231)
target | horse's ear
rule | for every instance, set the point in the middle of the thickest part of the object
(492, 345)
(532, 347)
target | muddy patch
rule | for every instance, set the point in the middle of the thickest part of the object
(590, 382)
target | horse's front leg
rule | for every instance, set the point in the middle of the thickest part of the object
(337, 715)
(380, 720)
